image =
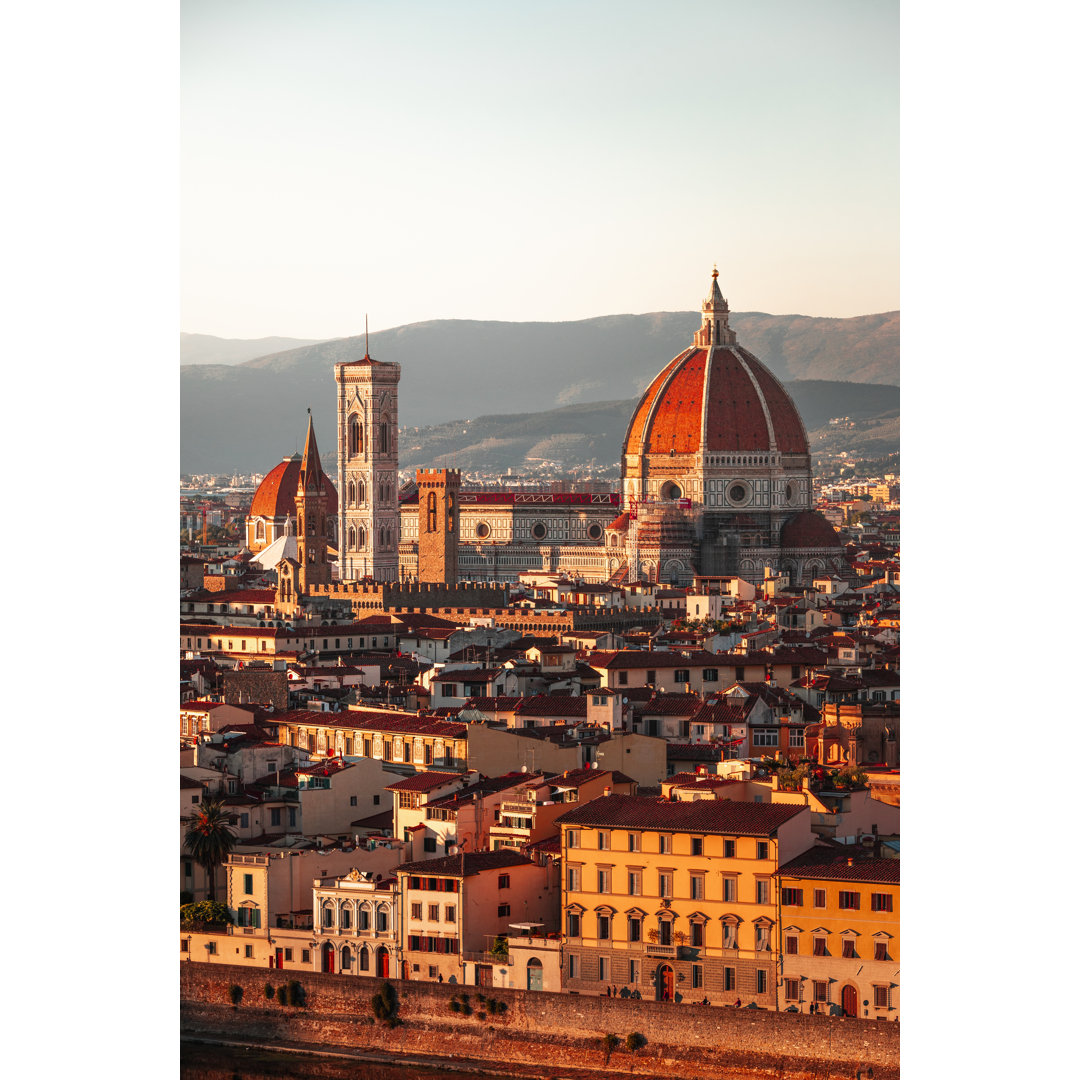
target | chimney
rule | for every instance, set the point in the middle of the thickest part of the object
(851, 861)
(607, 791)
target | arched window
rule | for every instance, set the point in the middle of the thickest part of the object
(260, 531)
(346, 917)
(361, 492)
(351, 498)
(352, 538)
(327, 914)
(365, 959)
(432, 513)
(384, 436)
(361, 538)
(356, 436)
(346, 958)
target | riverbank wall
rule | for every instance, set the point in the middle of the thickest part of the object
(555, 1030)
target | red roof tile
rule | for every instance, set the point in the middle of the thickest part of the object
(709, 816)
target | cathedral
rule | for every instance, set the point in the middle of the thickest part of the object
(716, 481)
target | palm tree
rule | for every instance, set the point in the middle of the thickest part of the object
(209, 837)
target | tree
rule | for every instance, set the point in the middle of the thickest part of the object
(209, 837)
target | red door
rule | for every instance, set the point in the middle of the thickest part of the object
(328, 958)
(665, 984)
(382, 961)
(849, 1001)
(279, 957)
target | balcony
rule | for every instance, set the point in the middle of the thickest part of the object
(660, 950)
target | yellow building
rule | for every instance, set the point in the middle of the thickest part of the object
(676, 901)
(840, 932)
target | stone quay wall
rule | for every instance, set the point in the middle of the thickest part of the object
(564, 1030)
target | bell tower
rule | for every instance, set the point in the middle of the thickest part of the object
(312, 526)
(369, 517)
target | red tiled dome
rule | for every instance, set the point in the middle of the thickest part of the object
(276, 496)
(728, 399)
(809, 529)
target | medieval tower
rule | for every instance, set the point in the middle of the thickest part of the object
(438, 524)
(369, 518)
(312, 519)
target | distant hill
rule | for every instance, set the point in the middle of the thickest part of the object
(246, 416)
(207, 349)
(593, 433)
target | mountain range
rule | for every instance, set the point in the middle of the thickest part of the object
(238, 415)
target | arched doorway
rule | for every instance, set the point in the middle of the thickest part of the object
(328, 958)
(346, 959)
(849, 1000)
(536, 974)
(665, 983)
(382, 962)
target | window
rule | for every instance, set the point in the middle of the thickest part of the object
(881, 901)
(819, 898)
(848, 950)
(665, 931)
(633, 882)
(635, 972)
(819, 946)
(710, 674)
(731, 889)
(305, 956)
(504, 911)
(380, 921)
(432, 971)
(603, 841)
(249, 952)
(573, 966)
(821, 991)
(697, 845)
(248, 915)
(730, 940)
(633, 928)
(791, 989)
(571, 838)
(603, 926)
(665, 844)
(697, 934)
(433, 912)
(650, 677)
(763, 849)
(697, 976)
(849, 901)
(665, 882)
(881, 997)
(184, 945)
(762, 983)
(729, 849)
(791, 945)
(761, 890)
(573, 878)
(365, 919)
(603, 880)
(288, 956)
(211, 948)
(244, 821)
(761, 939)
(697, 886)
(881, 950)
(429, 843)
(729, 978)
(352, 800)
(766, 737)
(682, 675)
(573, 924)
(622, 678)
(791, 897)
(249, 884)
(292, 817)
(275, 816)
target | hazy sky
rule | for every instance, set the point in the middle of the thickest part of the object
(540, 161)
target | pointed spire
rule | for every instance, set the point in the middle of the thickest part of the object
(714, 317)
(310, 466)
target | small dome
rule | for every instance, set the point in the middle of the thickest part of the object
(809, 529)
(276, 497)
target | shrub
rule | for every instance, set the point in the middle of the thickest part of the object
(296, 994)
(204, 913)
(481, 1015)
(500, 948)
(610, 1043)
(282, 995)
(384, 1005)
(455, 1005)
(236, 992)
(500, 1007)
(635, 1041)
(269, 992)
(186, 897)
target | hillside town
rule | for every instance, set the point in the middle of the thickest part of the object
(652, 752)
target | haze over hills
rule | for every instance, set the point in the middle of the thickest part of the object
(247, 416)
(207, 349)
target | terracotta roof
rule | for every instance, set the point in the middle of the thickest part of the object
(709, 816)
(808, 529)
(424, 781)
(276, 496)
(465, 865)
(672, 705)
(552, 705)
(633, 659)
(826, 865)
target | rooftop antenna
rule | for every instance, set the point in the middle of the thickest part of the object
(367, 354)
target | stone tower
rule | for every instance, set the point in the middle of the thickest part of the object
(312, 521)
(369, 518)
(438, 524)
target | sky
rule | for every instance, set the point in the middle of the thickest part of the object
(550, 161)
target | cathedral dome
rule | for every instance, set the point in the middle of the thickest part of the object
(809, 529)
(715, 397)
(276, 497)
